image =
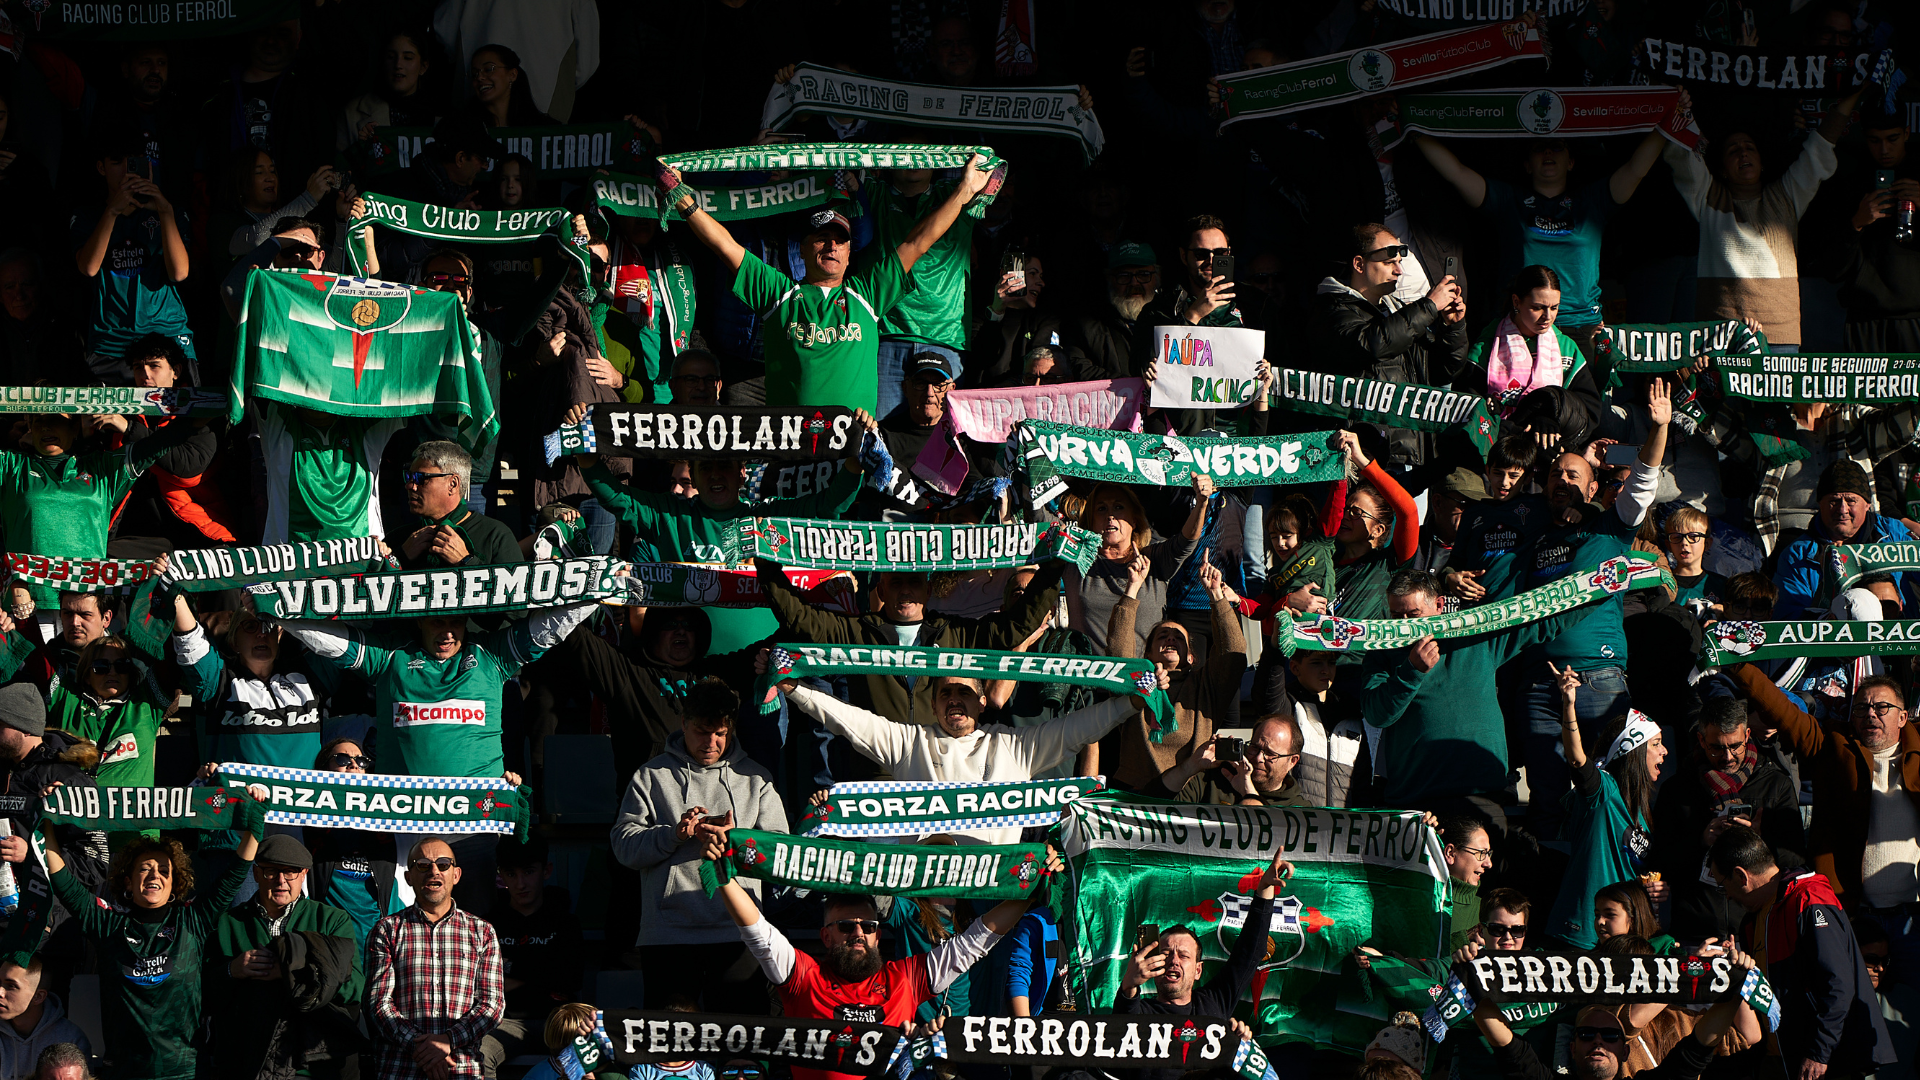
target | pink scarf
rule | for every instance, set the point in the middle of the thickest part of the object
(1514, 371)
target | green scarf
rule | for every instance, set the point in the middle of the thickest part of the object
(1331, 633)
(377, 802)
(1662, 348)
(1052, 451)
(107, 576)
(1564, 112)
(1729, 642)
(1848, 563)
(76, 24)
(1852, 379)
(212, 569)
(914, 807)
(454, 225)
(125, 400)
(1390, 404)
(571, 151)
(1114, 675)
(977, 872)
(1026, 110)
(639, 196)
(467, 590)
(876, 548)
(811, 157)
(1359, 73)
(134, 809)
(695, 585)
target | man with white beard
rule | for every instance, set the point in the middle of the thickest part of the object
(1104, 338)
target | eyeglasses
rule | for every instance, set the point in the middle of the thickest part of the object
(1482, 853)
(869, 927)
(416, 478)
(740, 1074)
(1499, 931)
(1261, 753)
(1355, 511)
(1686, 537)
(341, 761)
(447, 279)
(117, 667)
(1877, 708)
(1597, 1034)
(1388, 253)
(1208, 254)
(296, 249)
(425, 866)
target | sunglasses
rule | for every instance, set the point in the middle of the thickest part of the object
(1209, 254)
(422, 866)
(869, 927)
(447, 279)
(741, 1074)
(416, 478)
(117, 667)
(296, 249)
(1598, 1034)
(1498, 931)
(1388, 253)
(341, 761)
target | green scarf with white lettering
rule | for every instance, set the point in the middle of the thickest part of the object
(918, 807)
(639, 196)
(813, 157)
(1390, 404)
(378, 802)
(137, 809)
(872, 547)
(1848, 563)
(1877, 379)
(1051, 451)
(1024, 110)
(124, 400)
(1733, 642)
(977, 872)
(465, 590)
(213, 569)
(453, 225)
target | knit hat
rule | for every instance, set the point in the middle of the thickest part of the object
(1404, 1039)
(283, 850)
(23, 709)
(1844, 475)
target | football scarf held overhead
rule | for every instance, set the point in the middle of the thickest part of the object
(1331, 633)
(988, 417)
(133, 21)
(124, 400)
(210, 569)
(1519, 112)
(639, 196)
(1112, 674)
(1712, 63)
(132, 809)
(573, 151)
(1731, 642)
(877, 548)
(705, 432)
(808, 157)
(1360, 877)
(359, 347)
(1029, 110)
(1393, 404)
(696, 585)
(107, 576)
(975, 871)
(634, 1037)
(1879, 379)
(1099, 1041)
(1848, 563)
(1051, 451)
(917, 807)
(377, 802)
(1346, 76)
(1587, 978)
(467, 590)
(457, 225)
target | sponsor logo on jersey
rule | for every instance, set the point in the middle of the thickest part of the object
(453, 711)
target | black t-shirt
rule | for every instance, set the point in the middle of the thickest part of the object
(543, 950)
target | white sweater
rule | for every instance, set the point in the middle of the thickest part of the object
(994, 752)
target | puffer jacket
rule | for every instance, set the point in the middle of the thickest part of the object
(1390, 341)
(675, 908)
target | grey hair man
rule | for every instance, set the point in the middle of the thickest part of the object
(448, 530)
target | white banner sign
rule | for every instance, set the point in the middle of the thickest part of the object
(1205, 367)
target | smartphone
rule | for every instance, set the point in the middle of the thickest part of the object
(1452, 268)
(1621, 454)
(1738, 809)
(1223, 267)
(719, 819)
(140, 167)
(1230, 748)
(1144, 935)
(1882, 179)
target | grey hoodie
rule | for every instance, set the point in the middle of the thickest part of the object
(675, 909)
(20, 1053)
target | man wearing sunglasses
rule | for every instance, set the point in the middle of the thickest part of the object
(435, 983)
(1599, 1046)
(1202, 298)
(451, 532)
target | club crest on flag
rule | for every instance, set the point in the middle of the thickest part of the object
(1286, 930)
(364, 308)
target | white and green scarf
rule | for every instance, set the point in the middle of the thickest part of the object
(1562, 112)
(210, 569)
(916, 807)
(124, 400)
(812, 157)
(1027, 110)
(117, 577)
(979, 872)
(639, 196)
(456, 225)
(466, 590)
(1877, 379)
(380, 802)
(1391, 404)
(1051, 451)
(1733, 642)
(1848, 563)
(872, 547)
(1359, 73)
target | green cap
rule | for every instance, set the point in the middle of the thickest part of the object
(1131, 254)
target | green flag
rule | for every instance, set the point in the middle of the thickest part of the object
(359, 347)
(1360, 876)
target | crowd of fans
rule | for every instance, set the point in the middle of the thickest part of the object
(1582, 770)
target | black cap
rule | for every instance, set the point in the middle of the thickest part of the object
(1844, 475)
(458, 132)
(931, 366)
(283, 850)
(829, 218)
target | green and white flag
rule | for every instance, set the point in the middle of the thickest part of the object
(467, 590)
(1358, 73)
(1051, 451)
(639, 196)
(1026, 110)
(210, 569)
(1848, 563)
(1390, 404)
(1113, 674)
(1733, 642)
(1880, 379)
(377, 802)
(813, 157)
(124, 400)
(975, 871)
(359, 347)
(109, 576)
(917, 807)
(457, 225)
(1331, 633)
(873, 547)
(1360, 877)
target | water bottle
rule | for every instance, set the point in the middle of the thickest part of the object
(9, 888)
(1903, 222)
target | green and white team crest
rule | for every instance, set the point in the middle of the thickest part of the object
(365, 307)
(1286, 930)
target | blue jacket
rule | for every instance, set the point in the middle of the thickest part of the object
(1803, 591)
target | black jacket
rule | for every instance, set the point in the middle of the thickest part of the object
(1000, 347)
(1681, 815)
(1829, 1011)
(1517, 1061)
(64, 759)
(1102, 340)
(1351, 335)
(1221, 993)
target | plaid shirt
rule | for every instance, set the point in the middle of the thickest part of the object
(436, 978)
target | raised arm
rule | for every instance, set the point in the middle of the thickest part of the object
(711, 232)
(973, 179)
(1568, 684)
(1626, 179)
(1471, 185)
